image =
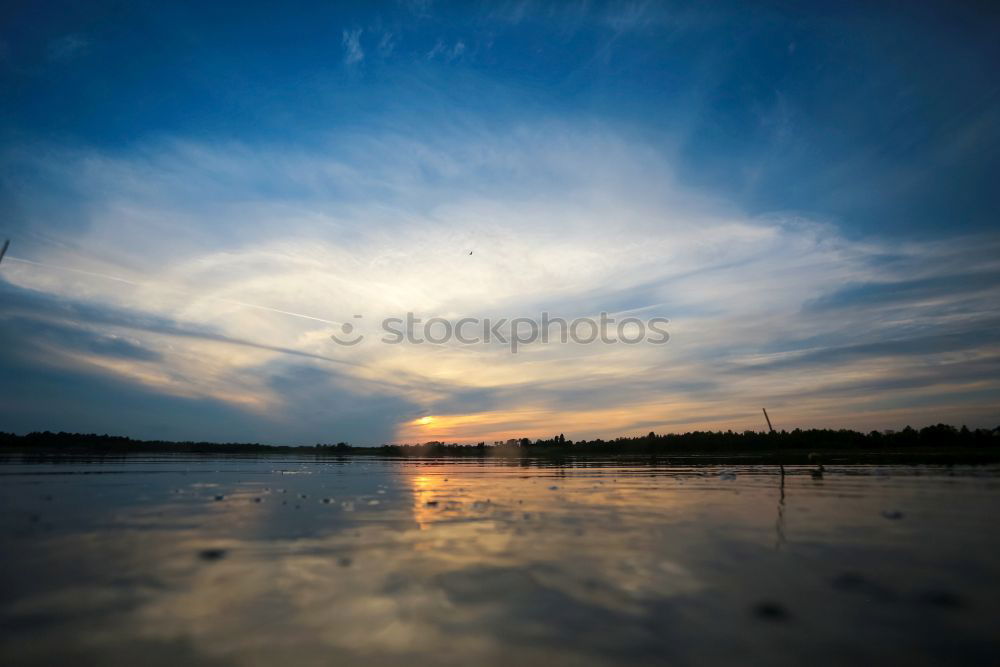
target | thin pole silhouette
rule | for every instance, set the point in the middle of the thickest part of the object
(6, 244)
(781, 466)
(769, 427)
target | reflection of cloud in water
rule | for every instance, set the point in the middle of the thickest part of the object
(466, 564)
(474, 574)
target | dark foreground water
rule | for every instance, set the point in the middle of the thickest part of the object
(264, 561)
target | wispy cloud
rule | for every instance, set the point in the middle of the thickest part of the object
(386, 44)
(353, 52)
(445, 52)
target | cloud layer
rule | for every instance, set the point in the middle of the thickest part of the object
(214, 272)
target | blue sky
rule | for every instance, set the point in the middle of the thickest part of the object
(805, 191)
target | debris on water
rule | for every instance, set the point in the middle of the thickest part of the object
(212, 554)
(432, 503)
(373, 502)
(553, 488)
(771, 611)
(892, 514)
(220, 497)
(344, 561)
(257, 499)
(327, 501)
(727, 475)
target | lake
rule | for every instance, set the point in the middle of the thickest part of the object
(167, 560)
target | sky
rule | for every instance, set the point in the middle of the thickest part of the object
(199, 195)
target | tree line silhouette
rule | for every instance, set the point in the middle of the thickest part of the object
(939, 442)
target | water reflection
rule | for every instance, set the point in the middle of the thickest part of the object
(779, 524)
(256, 561)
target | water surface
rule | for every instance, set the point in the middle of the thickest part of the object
(298, 561)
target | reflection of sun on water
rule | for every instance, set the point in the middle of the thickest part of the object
(462, 526)
(424, 488)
